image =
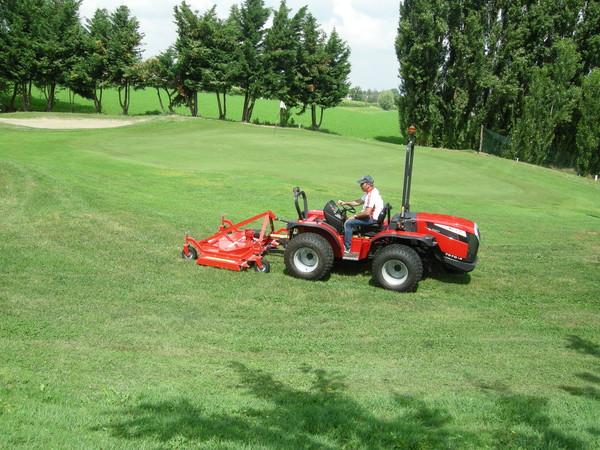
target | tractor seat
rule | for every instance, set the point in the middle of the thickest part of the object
(376, 227)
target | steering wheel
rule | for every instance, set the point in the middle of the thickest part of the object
(347, 209)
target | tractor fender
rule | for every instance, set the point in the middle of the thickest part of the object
(323, 229)
(407, 238)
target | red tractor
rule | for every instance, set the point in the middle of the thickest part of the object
(398, 245)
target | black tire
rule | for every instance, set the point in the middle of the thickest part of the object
(398, 268)
(193, 254)
(266, 266)
(308, 256)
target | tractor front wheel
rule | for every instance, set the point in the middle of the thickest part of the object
(192, 253)
(266, 266)
(398, 268)
(309, 256)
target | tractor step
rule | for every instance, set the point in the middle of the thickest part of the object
(351, 256)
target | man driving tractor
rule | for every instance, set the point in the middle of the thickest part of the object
(372, 206)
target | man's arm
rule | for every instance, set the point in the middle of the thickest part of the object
(358, 202)
(364, 213)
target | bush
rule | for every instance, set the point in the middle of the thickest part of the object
(386, 100)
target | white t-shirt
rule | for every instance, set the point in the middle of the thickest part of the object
(372, 199)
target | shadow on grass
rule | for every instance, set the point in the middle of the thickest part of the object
(398, 140)
(438, 273)
(583, 346)
(525, 421)
(40, 104)
(362, 269)
(319, 416)
(588, 348)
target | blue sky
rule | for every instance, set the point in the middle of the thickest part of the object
(368, 26)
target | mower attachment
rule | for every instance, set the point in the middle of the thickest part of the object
(235, 247)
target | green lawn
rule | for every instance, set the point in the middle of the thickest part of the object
(108, 339)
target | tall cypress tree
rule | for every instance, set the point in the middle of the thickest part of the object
(58, 50)
(124, 53)
(332, 77)
(465, 74)
(588, 128)
(20, 41)
(282, 43)
(420, 52)
(250, 19)
(94, 69)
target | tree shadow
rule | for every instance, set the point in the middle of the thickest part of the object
(398, 140)
(525, 421)
(589, 348)
(318, 416)
(583, 346)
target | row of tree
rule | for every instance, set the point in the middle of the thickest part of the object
(527, 69)
(43, 43)
(370, 95)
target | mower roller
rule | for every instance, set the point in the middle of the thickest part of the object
(236, 247)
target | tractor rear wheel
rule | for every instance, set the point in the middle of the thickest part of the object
(309, 256)
(398, 268)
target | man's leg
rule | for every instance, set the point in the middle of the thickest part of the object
(350, 226)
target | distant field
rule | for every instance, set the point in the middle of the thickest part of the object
(359, 122)
(108, 339)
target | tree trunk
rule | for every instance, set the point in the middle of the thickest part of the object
(171, 111)
(26, 95)
(125, 101)
(245, 110)
(98, 100)
(313, 115)
(11, 103)
(192, 102)
(160, 100)
(250, 110)
(222, 106)
(321, 118)
(50, 97)
(72, 100)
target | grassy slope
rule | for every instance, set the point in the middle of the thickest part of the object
(108, 338)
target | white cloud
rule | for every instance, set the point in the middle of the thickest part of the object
(360, 28)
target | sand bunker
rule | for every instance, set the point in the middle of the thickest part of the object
(67, 124)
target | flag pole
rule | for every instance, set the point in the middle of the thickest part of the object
(281, 106)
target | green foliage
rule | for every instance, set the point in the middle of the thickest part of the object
(282, 55)
(20, 41)
(588, 127)
(59, 47)
(386, 100)
(250, 19)
(466, 64)
(420, 52)
(124, 54)
(93, 70)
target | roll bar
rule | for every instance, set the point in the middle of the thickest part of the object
(408, 167)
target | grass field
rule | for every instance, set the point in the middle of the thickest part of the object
(108, 339)
(370, 123)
